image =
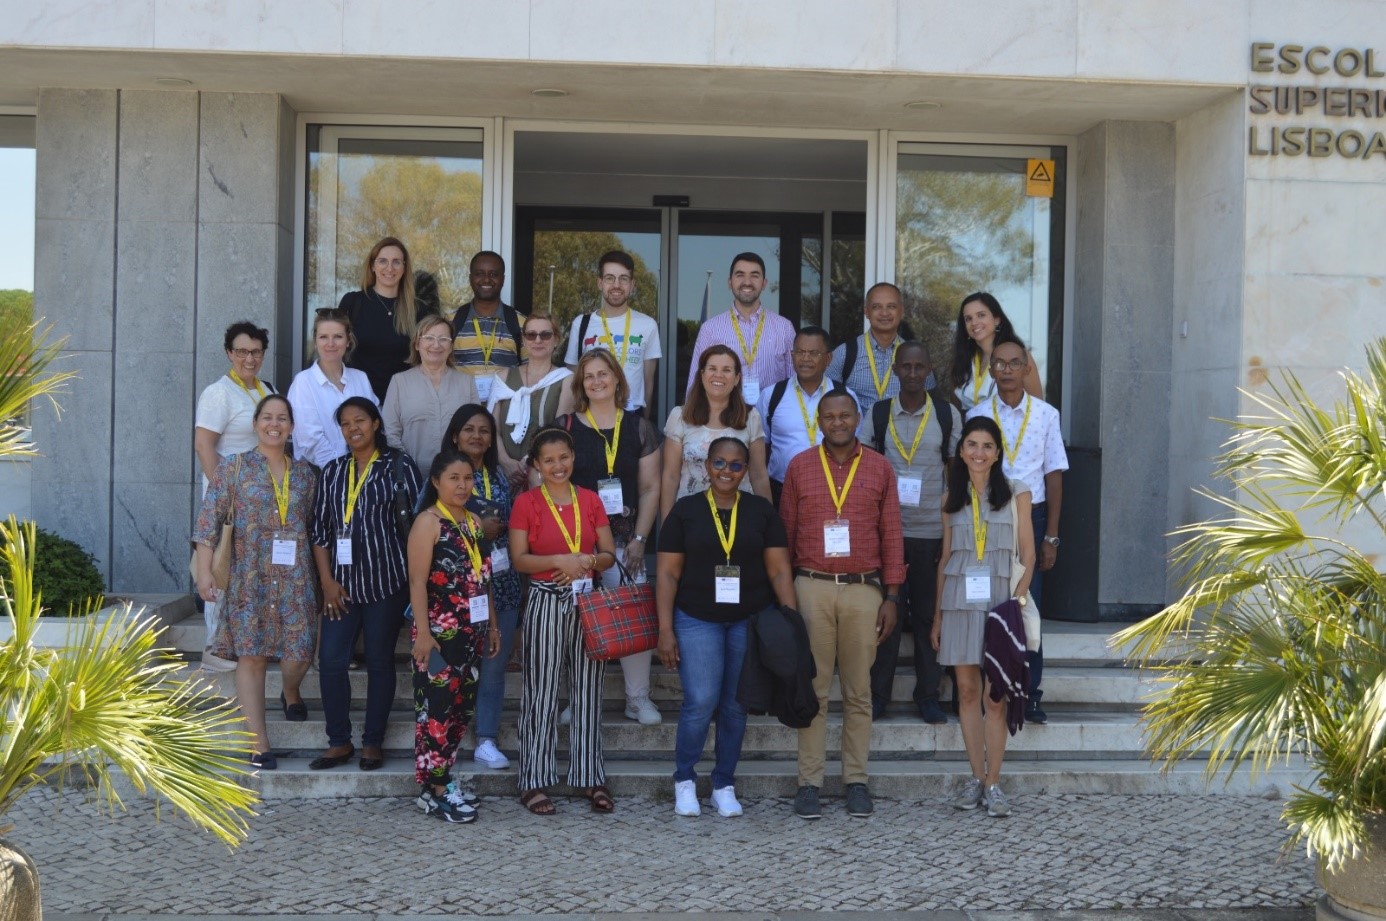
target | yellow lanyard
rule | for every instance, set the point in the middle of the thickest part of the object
(838, 498)
(979, 527)
(486, 350)
(611, 343)
(751, 353)
(1011, 455)
(810, 425)
(914, 446)
(469, 540)
(727, 539)
(574, 541)
(976, 378)
(281, 493)
(255, 397)
(880, 383)
(486, 483)
(354, 486)
(611, 445)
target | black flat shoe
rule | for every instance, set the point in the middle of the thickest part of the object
(323, 762)
(371, 764)
(294, 713)
(265, 761)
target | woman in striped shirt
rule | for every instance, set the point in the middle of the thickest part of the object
(359, 553)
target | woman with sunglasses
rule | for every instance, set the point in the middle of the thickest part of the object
(319, 389)
(526, 398)
(723, 556)
(384, 314)
(420, 401)
(715, 408)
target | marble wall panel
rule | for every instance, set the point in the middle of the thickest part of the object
(378, 29)
(149, 537)
(158, 156)
(237, 279)
(74, 280)
(300, 27)
(625, 31)
(76, 177)
(1016, 38)
(818, 34)
(1085, 330)
(156, 264)
(79, 24)
(239, 149)
(153, 419)
(1309, 321)
(1138, 309)
(1199, 42)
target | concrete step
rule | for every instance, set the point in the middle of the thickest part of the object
(1064, 687)
(1075, 736)
(906, 780)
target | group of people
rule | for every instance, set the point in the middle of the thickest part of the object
(448, 472)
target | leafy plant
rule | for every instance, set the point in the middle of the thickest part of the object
(1278, 645)
(65, 576)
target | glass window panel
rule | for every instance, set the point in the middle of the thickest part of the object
(566, 251)
(423, 186)
(964, 224)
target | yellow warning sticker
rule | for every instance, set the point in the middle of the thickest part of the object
(1039, 178)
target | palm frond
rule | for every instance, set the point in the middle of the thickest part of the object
(25, 376)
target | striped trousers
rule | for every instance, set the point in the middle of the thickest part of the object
(553, 646)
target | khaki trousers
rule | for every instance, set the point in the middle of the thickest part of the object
(841, 622)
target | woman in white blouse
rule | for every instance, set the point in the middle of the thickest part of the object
(319, 389)
(420, 401)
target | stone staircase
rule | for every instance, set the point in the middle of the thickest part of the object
(1091, 744)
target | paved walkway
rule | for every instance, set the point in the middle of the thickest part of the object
(382, 857)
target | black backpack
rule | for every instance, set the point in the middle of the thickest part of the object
(849, 348)
(880, 421)
(776, 394)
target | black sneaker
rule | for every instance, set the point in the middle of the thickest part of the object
(859, 803)
(1034, 713)
(806, 803)
(440, 807)
(930, 712)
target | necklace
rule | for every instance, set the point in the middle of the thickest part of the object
(380, 299)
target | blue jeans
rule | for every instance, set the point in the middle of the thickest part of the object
(490, 693)
(378, 624)
(1039, 520)
(710, 657)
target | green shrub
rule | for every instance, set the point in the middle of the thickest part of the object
(65, 574)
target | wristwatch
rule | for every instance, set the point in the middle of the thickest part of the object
(894, 599)
(641, 538)
(1021, 600)
(1052, 541)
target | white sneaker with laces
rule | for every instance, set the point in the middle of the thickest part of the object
(686, 798)
(997, 805)
(456, 793)
(643, 711)
(724, 798)
(487, 755)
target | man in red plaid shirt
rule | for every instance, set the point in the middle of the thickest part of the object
(842, 516)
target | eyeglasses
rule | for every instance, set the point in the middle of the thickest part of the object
(330, 313)
(384, 263)
(808, 353)
(435, 340)
(542, 335)
(248, 353)
(1000, 364)
(721, 463)
(617, 279)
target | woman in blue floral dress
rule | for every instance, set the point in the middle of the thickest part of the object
(269, 609)
(454, 627)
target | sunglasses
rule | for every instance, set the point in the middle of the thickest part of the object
(720, 463)
(543, 335)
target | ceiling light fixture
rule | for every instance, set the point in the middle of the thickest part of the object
(923, 105)
(548, 92)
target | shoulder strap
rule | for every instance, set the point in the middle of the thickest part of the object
(944, 411)
(776, 394)
(849, 357)
(582, 331)
(512, 323)
(880, 421)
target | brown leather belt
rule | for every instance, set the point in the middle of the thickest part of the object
(843, 578)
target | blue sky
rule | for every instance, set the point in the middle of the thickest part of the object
(17, 218)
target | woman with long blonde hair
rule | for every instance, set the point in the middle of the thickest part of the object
(385, 314)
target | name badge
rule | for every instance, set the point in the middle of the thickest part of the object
(479, 609)
(750, 390)
(910, 489)
(582, 586)
(727, 581)
(284, 549)
(977, 583)
(612, 496)
(483, 388)
(500, 560)
(344, 551)
(837, 541)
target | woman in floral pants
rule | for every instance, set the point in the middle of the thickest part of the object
(450, 590)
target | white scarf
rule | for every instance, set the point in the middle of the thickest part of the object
(517, 416)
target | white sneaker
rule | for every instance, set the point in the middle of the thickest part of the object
(686, 798)
(488, 755)
(215, 663)
(997, 805)
(641, 710)
(724, 798)
(566, 717)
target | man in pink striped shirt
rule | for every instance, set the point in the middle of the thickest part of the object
(761, 339)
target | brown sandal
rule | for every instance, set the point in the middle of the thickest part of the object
(600, 798)
(537, 802)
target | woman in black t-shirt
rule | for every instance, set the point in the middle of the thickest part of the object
(723, 556)
(383, 314)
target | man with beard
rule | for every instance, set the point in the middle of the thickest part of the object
(761, 339)
(631, 336)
